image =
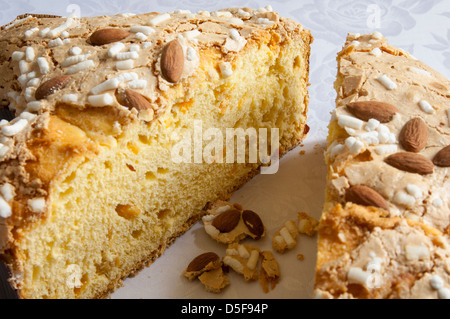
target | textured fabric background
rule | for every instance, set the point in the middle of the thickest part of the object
(422, 27)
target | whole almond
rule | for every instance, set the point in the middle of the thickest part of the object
(134, 99)
(200, 262)
(366, 110)
(227, 221)
(253, 223)
(109, 35)
(172, 61)
(411, 162)
(442, 158)
(365, 196)
(51, 86)
(414, 135)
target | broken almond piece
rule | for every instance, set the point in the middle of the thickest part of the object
(202, 263)
(270, 271)
(243, 259)
(285, 238)
(214, 280)
(306, 224)
(228, 223)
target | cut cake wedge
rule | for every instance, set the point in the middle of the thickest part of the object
(384, 232)
(93, 188)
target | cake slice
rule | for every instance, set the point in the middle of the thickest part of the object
(100, 169)
(384, 232)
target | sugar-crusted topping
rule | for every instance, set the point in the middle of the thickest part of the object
(350, 121)
(141, 36)
(43, 65)
(192, 34)
(55, 43)
(419, 71)
(243, 13)
(75, 51)
(414, 252)
(159, 19)
(37, 205)
(226, 69)
(191, 54)
(236, 21)
(222, 14)
(444, 293)
(101, 99)
(63, 27)
(437, 202)
(114, 83)
(24, 67)
(357, 275)
(5, 209)
(70, 98)
(436, 282)
(336, 149)
(377, 35)
(3, 150)
(142, 29)
(7, 191)
(376, 52)
(426, 107)
(74, 60)
(402, 198)
(15, 128)
(137, 84)
(354, 145)
(34, 106)
(125, 65)
(115, 48)
(372, 125)
(127, 55)
(80, 67)
(386, 149)
(17, 21)
(387, 82)
(264, 21)
(30, 32)
(414, 190)
(17, 55)
(44, 32)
